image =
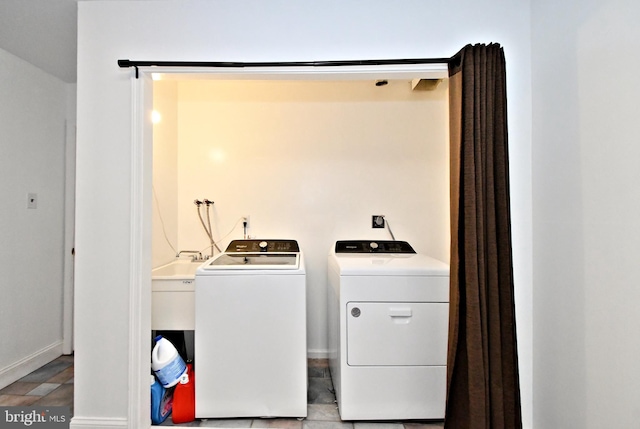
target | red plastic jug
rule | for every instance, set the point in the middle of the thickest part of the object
(184, 398)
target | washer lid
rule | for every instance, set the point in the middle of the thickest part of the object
(255, 260)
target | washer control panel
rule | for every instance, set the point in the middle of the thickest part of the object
(262, 246)
(373, 246)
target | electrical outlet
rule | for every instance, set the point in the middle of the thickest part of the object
(377, 221)
(32, 200)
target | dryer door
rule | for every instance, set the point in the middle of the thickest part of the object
(397, 333)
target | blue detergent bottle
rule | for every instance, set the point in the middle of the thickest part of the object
(161, 402)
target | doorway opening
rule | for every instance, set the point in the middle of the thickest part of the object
(312, 159)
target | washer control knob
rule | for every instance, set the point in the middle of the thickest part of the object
(355, 312)
(373, 245)
(263, 246)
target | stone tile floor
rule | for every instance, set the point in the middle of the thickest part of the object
(52, 385)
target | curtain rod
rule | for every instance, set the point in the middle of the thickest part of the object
(232, 64)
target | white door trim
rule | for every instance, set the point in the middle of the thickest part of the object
(140, 245)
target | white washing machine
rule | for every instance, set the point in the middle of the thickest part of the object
(250, 332)
(388, 331)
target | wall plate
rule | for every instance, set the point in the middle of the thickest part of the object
(377, 221)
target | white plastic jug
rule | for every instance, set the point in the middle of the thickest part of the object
(166, 363)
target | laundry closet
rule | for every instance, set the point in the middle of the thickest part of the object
(310, 160)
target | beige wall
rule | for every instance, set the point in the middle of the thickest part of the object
(165, 172)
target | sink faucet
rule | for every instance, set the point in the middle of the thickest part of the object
(197, 256)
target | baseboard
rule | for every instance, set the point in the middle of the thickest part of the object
(98, 422)
(28, 364)
(317, 353)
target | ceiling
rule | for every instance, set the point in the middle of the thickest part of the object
(43, 33)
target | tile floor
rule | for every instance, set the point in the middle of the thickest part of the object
(53, 385)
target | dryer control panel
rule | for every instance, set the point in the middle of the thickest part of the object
(373, 246)
(265, 246)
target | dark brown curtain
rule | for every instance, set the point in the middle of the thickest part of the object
(483, 390)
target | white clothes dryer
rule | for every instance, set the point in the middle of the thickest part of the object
(388, 331)
(250, 332)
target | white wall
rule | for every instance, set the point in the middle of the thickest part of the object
(209, 31)
(586, 206)
(310, 161)
(32, 119)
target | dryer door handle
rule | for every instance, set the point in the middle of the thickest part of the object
(400, 312)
